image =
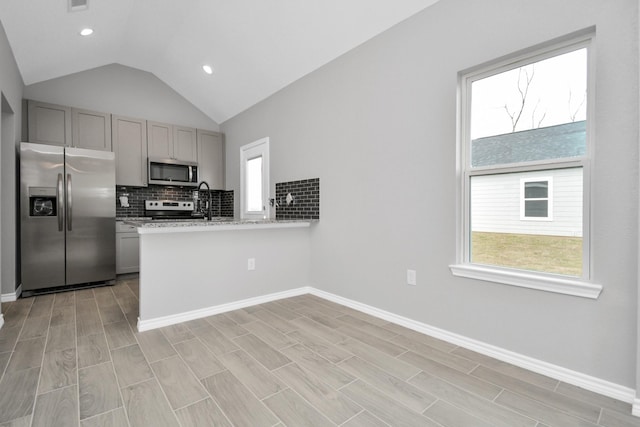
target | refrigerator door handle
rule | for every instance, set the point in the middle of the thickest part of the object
(60, 208)
(69, 204)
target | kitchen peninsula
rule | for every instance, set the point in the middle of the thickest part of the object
(194, 269)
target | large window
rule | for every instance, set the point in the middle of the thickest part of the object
(525, 155)
(254, 179)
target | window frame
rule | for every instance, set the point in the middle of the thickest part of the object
(582, 286)
(259, 148)
(524, 199)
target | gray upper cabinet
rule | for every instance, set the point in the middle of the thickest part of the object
(160, 140)
(172, 142)
(211, 158)
(91, 129)
(134, 141)
(49, 123)
(130, 146)
(184, 144)
(71, 127)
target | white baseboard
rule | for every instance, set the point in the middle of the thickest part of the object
(159, 322)
(569, 376)
(12, 296)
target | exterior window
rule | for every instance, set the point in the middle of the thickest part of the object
(254, 184)
(524, 181)
(536, 199)
(254, 179)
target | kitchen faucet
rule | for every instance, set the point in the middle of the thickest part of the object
(209, 216)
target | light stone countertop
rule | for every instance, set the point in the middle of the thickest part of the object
(221, 224)
(132, 218)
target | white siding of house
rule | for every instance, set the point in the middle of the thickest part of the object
(496, 200)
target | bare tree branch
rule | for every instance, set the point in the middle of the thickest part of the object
(574, 113)
(535, 125)
(523, 91)
(511, 116)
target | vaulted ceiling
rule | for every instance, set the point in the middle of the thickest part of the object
(255, 47)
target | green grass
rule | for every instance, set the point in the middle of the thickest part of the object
(551, 254)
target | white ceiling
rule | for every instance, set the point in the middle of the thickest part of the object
(256, 47)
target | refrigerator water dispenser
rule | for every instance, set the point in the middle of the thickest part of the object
(42, 201)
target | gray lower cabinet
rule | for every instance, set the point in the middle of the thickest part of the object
(127, 248)
(130, 145)
(211, 158)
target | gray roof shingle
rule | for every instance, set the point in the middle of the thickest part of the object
(552, 142)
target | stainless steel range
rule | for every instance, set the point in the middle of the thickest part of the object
(170, 209)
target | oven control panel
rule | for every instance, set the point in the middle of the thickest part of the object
(168, 205)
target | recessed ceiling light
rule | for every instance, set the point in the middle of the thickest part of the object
(207, 69)
(86, 32)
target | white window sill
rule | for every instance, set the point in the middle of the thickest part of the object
(524, 279)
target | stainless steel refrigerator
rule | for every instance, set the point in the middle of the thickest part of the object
(67, 216)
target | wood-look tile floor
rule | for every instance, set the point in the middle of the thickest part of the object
(75, 359)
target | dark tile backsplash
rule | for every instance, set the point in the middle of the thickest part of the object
(305, 205)
(226, 203)
(306, 199)
(222, 200)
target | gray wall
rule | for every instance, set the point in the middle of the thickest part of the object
(378, 127)
(205, 284)
(124, 91)
(638, 259)
(11, 87)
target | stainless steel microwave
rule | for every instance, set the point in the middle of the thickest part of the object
(173, 172)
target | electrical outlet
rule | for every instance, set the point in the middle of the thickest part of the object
(251, 264)
(411, 277)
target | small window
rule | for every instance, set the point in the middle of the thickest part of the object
(536, 200)
(254, 179)
(254, 184)
(524, 153)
